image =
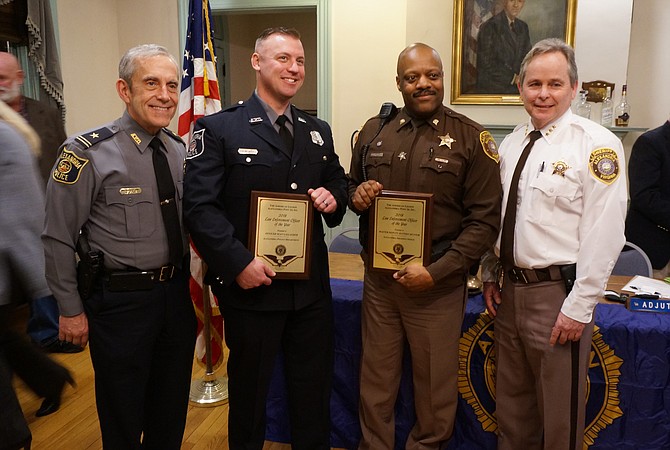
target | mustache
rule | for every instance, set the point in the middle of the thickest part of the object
(424, 92)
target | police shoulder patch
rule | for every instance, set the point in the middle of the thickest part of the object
(489, 146)
(604, 165)
(93, 137)
(68, 168)
(197, 146)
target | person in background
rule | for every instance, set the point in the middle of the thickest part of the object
(47, 122)
(648, 219)
(117, 190)
(267, 144)
(425, 147)
(562, 231)
(502, 42)
(22, 266)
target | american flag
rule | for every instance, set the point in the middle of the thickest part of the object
(200, 97)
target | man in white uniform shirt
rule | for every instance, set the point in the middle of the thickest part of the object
(566, 232)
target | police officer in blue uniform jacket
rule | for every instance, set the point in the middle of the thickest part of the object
(235, 152)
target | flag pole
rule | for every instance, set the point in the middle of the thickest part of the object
(210, 390)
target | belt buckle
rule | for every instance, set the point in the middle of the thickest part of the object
(166, 273)
(518, 276)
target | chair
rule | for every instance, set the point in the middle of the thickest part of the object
(633, 261)
(346, 241)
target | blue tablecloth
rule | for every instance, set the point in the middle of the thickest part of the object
(629, 396)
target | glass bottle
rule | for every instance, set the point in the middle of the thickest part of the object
(622, 111)
(583, 108)
(607, 109)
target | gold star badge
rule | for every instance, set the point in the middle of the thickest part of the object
(560, 167)
(402, 156)
(95, 135)
(446, 140)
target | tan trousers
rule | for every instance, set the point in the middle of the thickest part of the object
(431, 322)
(534, 379)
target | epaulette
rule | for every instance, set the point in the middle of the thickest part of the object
(91, 138)
(174, 135)
(234, 106)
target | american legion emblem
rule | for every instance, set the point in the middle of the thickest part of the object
(476, 380)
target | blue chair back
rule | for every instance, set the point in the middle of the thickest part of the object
(633, 261)
(346, 241)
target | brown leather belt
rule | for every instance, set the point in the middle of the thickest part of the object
(528, 276)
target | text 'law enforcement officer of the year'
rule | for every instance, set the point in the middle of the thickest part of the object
(120, 186)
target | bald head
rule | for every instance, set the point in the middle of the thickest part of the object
(414, 51)
(420, 79)
(11, 79)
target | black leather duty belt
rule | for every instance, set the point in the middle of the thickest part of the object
(138, 280)
(528, 276)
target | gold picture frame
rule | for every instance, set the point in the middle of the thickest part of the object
(468, 87)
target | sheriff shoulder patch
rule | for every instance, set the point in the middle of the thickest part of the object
(68, 168)
(604, 165)
(489, 146)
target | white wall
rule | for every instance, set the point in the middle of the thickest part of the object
(367, 36)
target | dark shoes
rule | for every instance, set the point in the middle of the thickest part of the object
(52, 403)
(59, 346)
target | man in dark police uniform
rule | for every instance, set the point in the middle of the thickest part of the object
(139, 313)
(234, 152)
(426, 147)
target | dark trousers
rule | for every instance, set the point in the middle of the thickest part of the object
(43, 376)
(142, 346)
(305, 338)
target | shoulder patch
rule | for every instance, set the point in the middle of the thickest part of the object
(68, 168)
(489, 146)
(604, 165)
(197, 146)
(173, 135)
(93, 137)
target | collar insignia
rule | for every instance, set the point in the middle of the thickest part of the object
(436, 121)
(255, 119)
(402, 156)
(135, 137)
(300, 119)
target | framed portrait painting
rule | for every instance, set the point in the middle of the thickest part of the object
(491, 38)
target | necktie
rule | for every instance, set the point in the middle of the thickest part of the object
(512, 26)
(168, 203)
(507, 239)
(284, 133)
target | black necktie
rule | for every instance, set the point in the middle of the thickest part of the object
(284, 133)
(168, 203)
(507, 239)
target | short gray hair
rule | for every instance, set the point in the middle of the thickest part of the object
(548, 46)
(128, 63)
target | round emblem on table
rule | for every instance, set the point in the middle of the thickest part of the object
(476, 379)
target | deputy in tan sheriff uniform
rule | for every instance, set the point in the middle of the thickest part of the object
(140, 316)
(425, 148)
(570, 211)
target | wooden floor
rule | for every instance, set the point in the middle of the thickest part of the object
(75, 425)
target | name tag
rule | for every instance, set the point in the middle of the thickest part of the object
(658, 305)
(247, 151)
(130, 190)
